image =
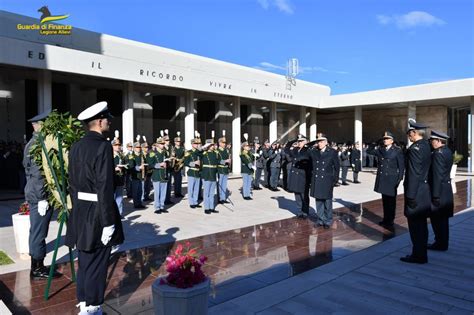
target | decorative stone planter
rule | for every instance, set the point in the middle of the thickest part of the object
(21, 230)
(168, 300)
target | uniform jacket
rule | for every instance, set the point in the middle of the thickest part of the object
(209, 165)
(345, 158)
(274, 158)
(418, 161)
(134, 161)
(222, 155)
(119, 176)
(356, 161)
(91, 176)
(440, 181)
(190, 157)
(390, 170)
(154, 160)
(35, 181)
(325, 172)
(299, 175)
(260, 159)
(246, 160)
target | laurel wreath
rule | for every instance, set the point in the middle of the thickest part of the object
(59, 130)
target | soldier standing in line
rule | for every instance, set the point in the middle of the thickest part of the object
(356, 163)
(146, 183)
(300, 174)
(128, 177)
(208, 175)
(136, 166)
(325, 163)
(223, 169)
(156, 161)
(441, 190)
(94, 224)
(390, 170)
(259, 164)
(275, 164)
(266, 166)
(192, 159)
(119, 173)
(246, 159)
(37, 198)
(345, 164)
(285, 165)
(417, 192)
(168, 170)
(177, 169)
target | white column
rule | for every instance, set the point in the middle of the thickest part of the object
(471, 158)
(127, 115)
(411, 114)
(189, 119)
(358, 125)
(313, 128)
(303, 120)
(273, 132)
(236, 136)
(44, 91)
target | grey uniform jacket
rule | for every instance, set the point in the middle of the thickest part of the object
(35, 182)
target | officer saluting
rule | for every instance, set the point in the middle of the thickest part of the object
(417, 192)
(390, 169)
(441, 190)
(40, 212)
(94, 225)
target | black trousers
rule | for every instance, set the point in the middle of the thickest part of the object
(418, 227)
(440, 224)
(92, 275)
(344, 170)
(355, 176)
(302, 201)
(389, 206)
(258, 176)
(178, 182)
(39, 226)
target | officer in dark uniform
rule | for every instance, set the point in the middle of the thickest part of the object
(259, 164)
(37, 198)
(299, 177)
(325, 163)
(417, 192)
(94, 225)
(390, 170)
(441, 190)
(274, 159)
(266, 150)
(356, 163)
(344, 156)
(285, 166)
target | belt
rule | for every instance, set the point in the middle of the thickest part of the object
(221, 165)
(209, 166)
(87, 196)
(194, 169)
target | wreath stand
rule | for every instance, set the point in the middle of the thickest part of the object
(63, 215)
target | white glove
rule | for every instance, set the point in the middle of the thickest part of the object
(107, 233)
(43, 207)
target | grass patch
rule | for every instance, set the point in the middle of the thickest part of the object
(4, 259)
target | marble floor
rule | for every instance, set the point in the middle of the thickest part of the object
(239, 261)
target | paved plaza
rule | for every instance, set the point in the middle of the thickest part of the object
(264, 260)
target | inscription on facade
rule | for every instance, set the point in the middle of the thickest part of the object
(283, 95)
(220, 85)
(161, 75)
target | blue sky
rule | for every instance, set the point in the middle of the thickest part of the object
(349, 45)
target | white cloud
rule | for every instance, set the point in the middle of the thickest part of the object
(410, 20)
(268, 66)
(284, 6)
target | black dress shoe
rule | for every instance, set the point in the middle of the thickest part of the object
(193, 206)
(302, 216)
(207, 211)
(214, 211)
(164, 211)
(257, 188)
(356, 182)
(198, 206)
(41, 272)
(221, 202)
(158, 211)
(247, 198)
(275, 189)
(345, 184)
(414, 260)
(225, 201)
(386, 224)
(437, 247)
